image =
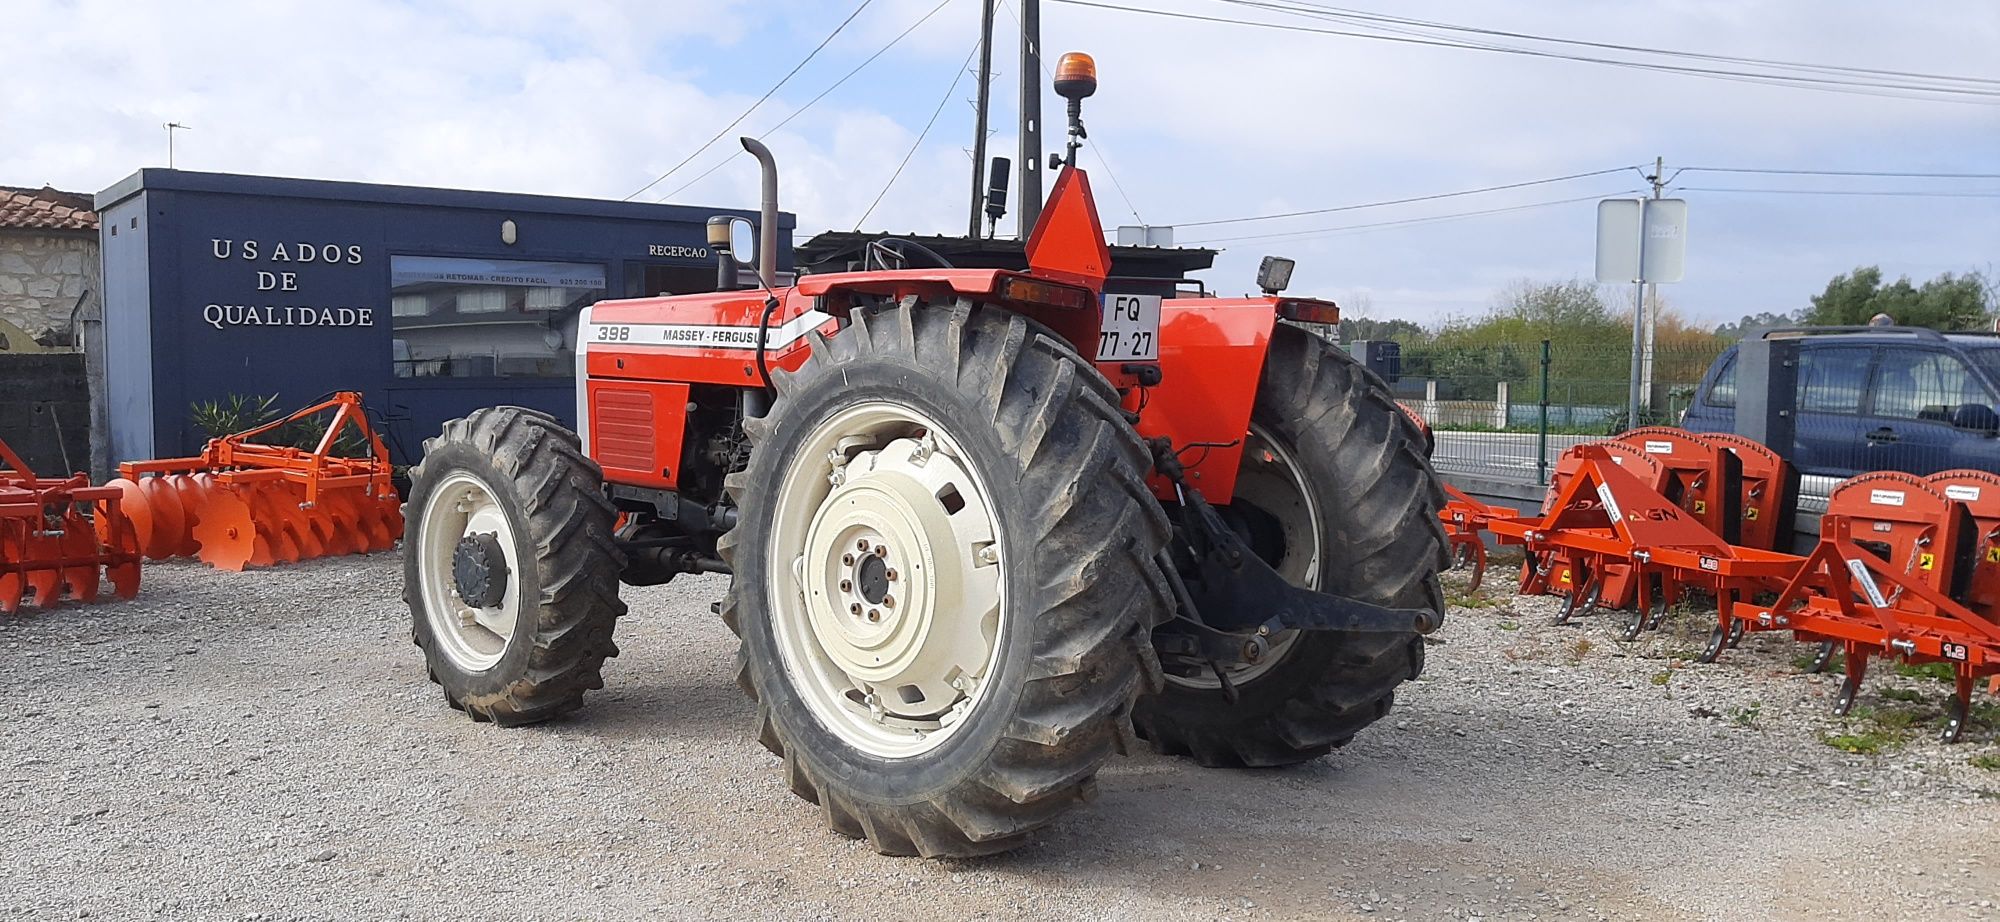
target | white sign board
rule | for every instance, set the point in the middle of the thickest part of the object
(1641, 240)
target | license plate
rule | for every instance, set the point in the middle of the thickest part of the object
(1131, 329)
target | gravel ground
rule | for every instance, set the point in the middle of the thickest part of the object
(263, 745)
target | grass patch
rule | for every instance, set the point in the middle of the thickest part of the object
(1745, 716)
(1902, 694)
(1662, 677)
(1580, 648)
(1510, 625)
(1942, 672)
(1866, 742)
(1899, 719)
(1988, 762)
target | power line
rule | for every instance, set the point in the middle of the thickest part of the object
(948, 93)
(1876, 88)
(1879, 173)
(1340, 13)
(753, 106)
(1406, 201)
(858, 68)
(1912, 193)
(1331, 231)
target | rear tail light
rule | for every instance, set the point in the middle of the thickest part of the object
(1309, 310)
(1036, 291)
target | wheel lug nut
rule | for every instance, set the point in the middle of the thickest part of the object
(888, 601)
(854, 608)
(891, 574)
(881, 550)
(847, 560)
(874, 614)
(861, 545)
(847, 585)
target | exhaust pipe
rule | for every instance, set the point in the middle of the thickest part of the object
(767, 230)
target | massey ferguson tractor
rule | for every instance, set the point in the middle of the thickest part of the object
(985, 528)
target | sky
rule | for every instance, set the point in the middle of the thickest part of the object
(1194, 121)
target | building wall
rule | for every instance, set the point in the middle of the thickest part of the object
(42, 274)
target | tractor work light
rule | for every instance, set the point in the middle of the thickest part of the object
(1036, 291)
(1076, 76)
(1274, 274)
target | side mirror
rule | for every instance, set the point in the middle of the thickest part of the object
(1976, 417)
(734, 243)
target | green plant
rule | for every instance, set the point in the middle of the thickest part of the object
(235, 413)
(1989, 761)
(1662, 677)
(1804, 661)
(1898, 719)
(1580, 648)
(1510, 625)
(1902, 694)
(1745, 716)
(1866, 742)
(1942, 672)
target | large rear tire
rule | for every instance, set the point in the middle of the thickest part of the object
(506, 509)
(987, 461)
(1336, 469)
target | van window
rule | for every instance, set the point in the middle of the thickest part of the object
(1831, 378)
(1723, 392)
(1920, 384)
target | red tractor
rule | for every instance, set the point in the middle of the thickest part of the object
(983, 526)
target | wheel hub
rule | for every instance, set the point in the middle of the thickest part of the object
(479, 570)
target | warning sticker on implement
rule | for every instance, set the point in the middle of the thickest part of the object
(1926, 561)
(1659, 448)
(1963, 494)
(1867, 581)
(1610, 505)
(1886, 497)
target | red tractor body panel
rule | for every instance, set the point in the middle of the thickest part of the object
(642, 360)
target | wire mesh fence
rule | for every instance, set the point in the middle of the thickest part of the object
(1510, 409)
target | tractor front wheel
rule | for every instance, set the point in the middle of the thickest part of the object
(508, 566)
(1335, 494)
(944, 584)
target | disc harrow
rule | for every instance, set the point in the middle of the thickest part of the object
(247, 503)
(61, 539)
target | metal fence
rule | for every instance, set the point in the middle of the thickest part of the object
(1509, 410)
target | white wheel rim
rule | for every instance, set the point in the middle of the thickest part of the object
(886, 593)
(1271, 479)
(472, 638)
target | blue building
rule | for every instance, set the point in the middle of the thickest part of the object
(431, 302)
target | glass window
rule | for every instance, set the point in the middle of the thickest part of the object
(1831, 378)
(1920, 384)
(483, 318)
(1988, 359)
(1723, 392)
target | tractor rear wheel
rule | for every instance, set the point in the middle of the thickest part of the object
(1336, 495)
(944, 585)
(508, 566)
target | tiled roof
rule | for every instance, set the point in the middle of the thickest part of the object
(45, 209)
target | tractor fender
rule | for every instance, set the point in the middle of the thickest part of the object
(1211, 360)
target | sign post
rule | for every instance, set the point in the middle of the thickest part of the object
(1644, 242)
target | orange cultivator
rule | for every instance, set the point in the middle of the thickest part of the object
(1465, 521)
(245, 503)
(57, 534)
(1905, 568)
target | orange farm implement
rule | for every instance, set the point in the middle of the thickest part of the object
(243, 502)
(61, 538)
(1905, 567)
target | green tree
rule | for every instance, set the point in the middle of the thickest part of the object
(1753, 322)
(1948, 302)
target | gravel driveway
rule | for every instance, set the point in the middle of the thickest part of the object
(263, 745)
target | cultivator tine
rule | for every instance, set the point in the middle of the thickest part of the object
(121, 543)
(13, 555)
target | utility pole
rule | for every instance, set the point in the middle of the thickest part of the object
(979, 117)
(171, 128)
(1643, 315)
(1031, 115)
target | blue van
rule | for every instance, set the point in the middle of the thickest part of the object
(1878, 399)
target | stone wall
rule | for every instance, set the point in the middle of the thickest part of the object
(42, 273)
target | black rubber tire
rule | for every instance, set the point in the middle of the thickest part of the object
(567, 573)
(1068, 478)
(1381, 542)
